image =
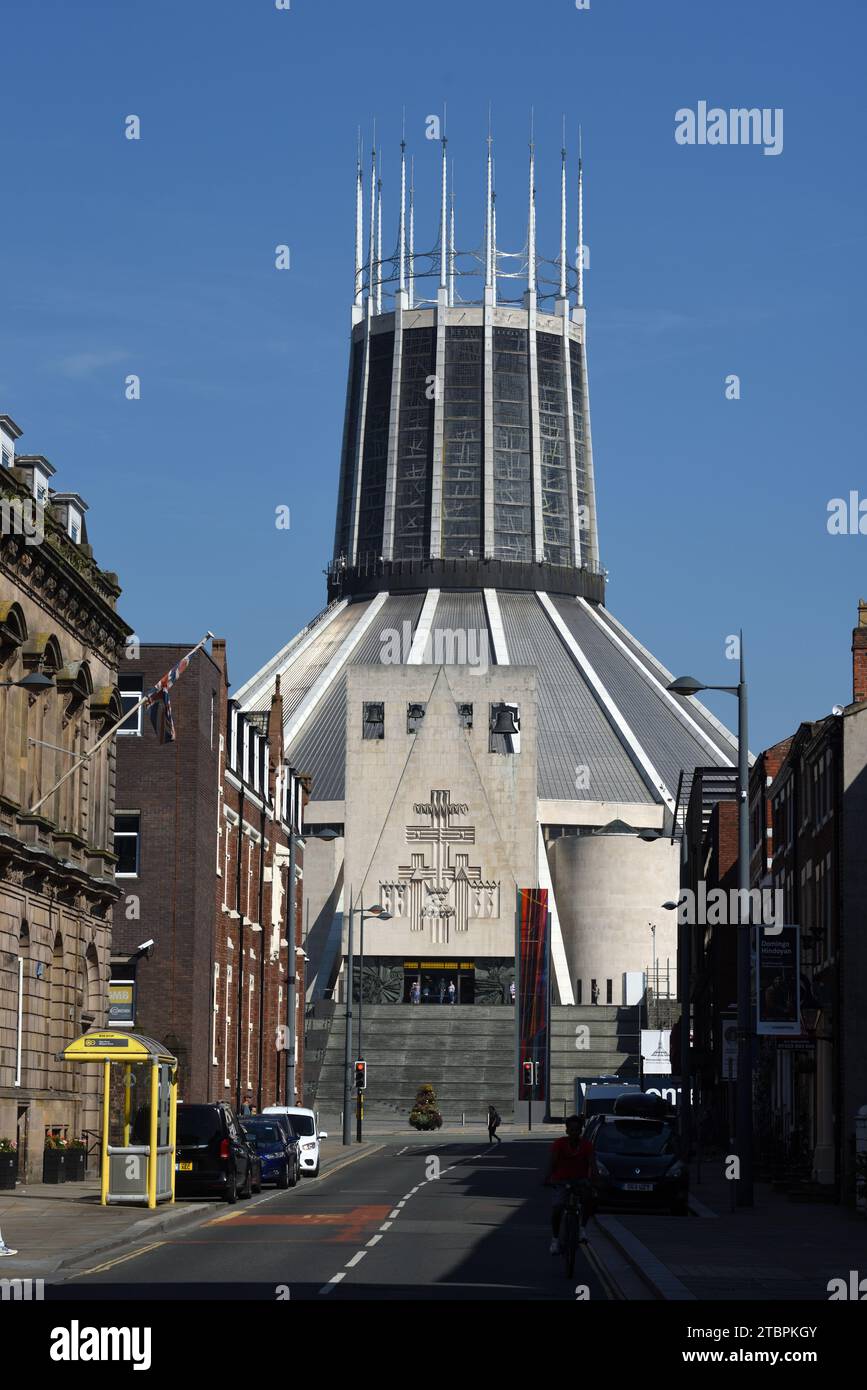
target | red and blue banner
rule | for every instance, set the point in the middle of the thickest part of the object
(533, 992)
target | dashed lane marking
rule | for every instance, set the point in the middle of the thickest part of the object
(332, 1282)
(350, 1264)
(374, 1240)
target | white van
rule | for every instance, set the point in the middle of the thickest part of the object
(598, 1097)
(303, 1123)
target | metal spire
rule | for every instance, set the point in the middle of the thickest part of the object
(443, 217)
(378, 240)
(580, 222)
(372, 253)
(359, 226)
(402, 233)
(531, 232)
(412, 231)
(489, 221)
(494, 227)
(563, 215)
(452, 240)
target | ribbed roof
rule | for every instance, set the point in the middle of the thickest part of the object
(601, 700)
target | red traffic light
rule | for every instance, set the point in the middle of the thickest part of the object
(360, 1076)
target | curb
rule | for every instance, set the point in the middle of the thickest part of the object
(658, 1276)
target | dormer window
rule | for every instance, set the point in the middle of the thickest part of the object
(73, 525)
(40, 487)
(8, 457)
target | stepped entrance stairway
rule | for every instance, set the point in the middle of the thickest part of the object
(589, 1040)
(466, 1052)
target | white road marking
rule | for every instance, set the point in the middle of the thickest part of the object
(350, 1264)
(327, 1288)
(385, 1225)
(374, 1240)
(402, 1151)
(393, 1214)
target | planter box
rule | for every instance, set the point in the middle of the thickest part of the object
(8, 1171)
(76, 1162)
(54, 1165)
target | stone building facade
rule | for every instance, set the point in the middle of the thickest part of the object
(57, 616)
(204, 840)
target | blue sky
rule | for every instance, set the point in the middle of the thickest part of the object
(156, 257)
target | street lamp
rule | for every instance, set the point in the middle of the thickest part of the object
(36, 683)
(688, 685)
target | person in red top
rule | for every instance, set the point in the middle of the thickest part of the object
(569, 1162)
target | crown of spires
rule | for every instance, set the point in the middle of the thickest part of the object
(400, 270)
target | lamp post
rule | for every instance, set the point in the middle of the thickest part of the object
(688, 685)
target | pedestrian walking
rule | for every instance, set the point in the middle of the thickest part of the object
(415, 993)
(247, 1106)
(451, 991)
(594, 993)
(494, 1123)
(442, 991)
(511, 991)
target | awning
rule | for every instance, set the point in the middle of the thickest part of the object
(115, 1046)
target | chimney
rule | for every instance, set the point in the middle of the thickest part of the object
(859, 656)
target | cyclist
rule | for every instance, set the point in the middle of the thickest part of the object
(569, 1162)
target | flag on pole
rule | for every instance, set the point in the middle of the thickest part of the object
(159, 706)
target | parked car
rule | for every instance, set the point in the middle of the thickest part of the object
(212, 1157)
(635, 1162)
(303, 1122)
(644, 1104)
(276, 1147)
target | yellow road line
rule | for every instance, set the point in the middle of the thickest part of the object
(119, 1260)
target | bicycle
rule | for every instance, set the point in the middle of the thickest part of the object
(575, 1214)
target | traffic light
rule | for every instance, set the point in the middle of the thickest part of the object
(528, 1073)
(360, 1076)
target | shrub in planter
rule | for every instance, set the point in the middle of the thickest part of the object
(54, 1160)
(424, 1114)
(8, 1164)
(76, 1160)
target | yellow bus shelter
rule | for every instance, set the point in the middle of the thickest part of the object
(141, 1168)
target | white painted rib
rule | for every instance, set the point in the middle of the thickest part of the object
(495, 623)
(332, 671)
(262, 683)
(558, 949)
(705, 712)
(648, 675)
(418, 650)
(608, 705)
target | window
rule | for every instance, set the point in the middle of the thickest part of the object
(73, 525)
(609, 991)
(8, 457)
(465, 716)
(578, 991)
(40, 487)
(373, 725)
(414, 716)
(127, 837)
(131, 691)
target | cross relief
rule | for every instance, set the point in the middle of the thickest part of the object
(439, 886)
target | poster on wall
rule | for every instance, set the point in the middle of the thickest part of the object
(533, 989)
(778, 983)
(656, 1051)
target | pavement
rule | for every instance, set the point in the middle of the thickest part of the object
(776, 1250)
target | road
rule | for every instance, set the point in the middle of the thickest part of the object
(421, 1219)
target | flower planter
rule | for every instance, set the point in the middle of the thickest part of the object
(76, 1162)
(8, 1171)
(54, 1166)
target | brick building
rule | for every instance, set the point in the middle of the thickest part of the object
(58, 618)
(808, 842)
(204, 836)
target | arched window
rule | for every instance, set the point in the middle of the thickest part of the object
(21, 1001)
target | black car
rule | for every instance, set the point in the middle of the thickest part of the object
(212, 1157)
(276, 1148)
(636, 1163)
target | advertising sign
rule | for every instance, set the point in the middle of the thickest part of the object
(778, 992)
(533, 988)
(656, 1051)
(121, 1003)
